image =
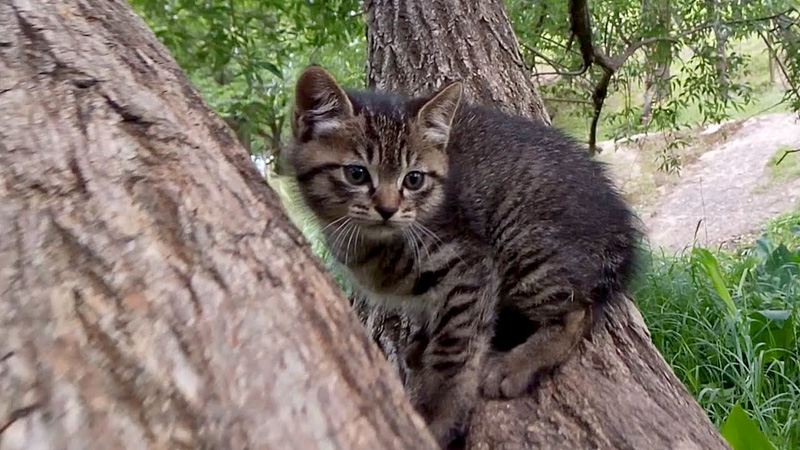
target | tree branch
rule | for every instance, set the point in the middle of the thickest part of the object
(598, 98)
(580, 25)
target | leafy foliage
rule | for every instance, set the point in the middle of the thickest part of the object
(727, 322)
(699, 37)
(244, 55)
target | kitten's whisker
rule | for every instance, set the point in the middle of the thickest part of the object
(358, 235)
(422, 240)
(428, 231)
(345, 234)
(333, 223)
(410, 245)
(417, 253)
(345, 241)
(349, 241)
(338, 232)
(321, 232)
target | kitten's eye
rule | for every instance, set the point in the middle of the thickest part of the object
(356, 174)
(414, 180)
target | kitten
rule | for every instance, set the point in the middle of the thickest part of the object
(498, 234)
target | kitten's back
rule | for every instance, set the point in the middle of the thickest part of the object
(520, 184)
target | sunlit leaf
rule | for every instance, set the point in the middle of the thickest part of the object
(742, 433)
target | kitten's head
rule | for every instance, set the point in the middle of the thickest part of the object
(376, 159)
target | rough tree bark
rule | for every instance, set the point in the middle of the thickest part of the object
(152, 292)
(616, 391)
(419, 45)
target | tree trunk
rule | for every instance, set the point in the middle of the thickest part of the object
(416, 45)
(720, 47)
(152, 292)
(656, 18)
(616, 391)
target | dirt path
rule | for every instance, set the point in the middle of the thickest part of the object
(728, 190)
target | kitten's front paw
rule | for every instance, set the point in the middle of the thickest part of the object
(448, 416)
(506, 375)
(449, 435)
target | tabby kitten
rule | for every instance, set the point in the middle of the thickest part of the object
(462, 217)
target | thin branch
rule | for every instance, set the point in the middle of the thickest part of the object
(566, 100)
(786, 153)
(567, 47)
(620, 34)
(574, 73)
(633, 47)
(759, 19)
(607, 34)
(17, 415)
(785, 72)
(554, 64)
(569, 44)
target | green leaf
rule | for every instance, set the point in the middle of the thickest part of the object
(774, 331)
(742, 433)
(709, 263)
(272, 68)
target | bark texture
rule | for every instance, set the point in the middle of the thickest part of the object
(417, 46)
(152, 292)
(616, 391)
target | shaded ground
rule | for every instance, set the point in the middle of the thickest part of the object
(727, 188)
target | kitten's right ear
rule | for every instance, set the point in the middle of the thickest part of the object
(321, 105)
(435, 118)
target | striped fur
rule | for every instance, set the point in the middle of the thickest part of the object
(502, 253)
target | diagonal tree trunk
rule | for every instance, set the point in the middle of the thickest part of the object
(616, 391)
(152, 292)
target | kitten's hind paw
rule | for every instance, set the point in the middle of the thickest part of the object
(505, 375)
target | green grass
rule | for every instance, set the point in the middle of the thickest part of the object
(727, 323)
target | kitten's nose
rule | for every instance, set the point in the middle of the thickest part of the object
(385, 211)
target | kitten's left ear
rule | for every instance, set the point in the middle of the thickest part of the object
(435, 118)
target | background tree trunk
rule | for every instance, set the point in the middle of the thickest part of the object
(152, 292)
(721, 45)
(656, 18)
(416, 45)
(617, 391)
